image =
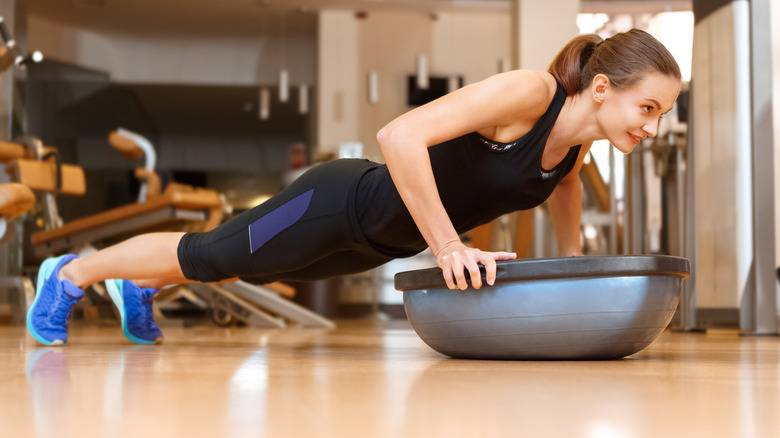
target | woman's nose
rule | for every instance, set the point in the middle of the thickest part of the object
(651, 128)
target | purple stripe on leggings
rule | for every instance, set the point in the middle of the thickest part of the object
(274, 222)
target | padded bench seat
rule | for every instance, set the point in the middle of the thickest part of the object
(116, 224)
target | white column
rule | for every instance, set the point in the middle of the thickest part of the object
(774, 9)
(337, 80)
(763, 318)
(540, 29)
(722, 142)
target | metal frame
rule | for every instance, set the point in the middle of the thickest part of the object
(271, 301)
(238, 308)
(252, 303)
(687, 311)
(26, 295)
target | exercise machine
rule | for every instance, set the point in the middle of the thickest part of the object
(15, 200)
(177, 207)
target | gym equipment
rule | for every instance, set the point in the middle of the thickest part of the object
(548, 309)
(10, 55)
(15, 200)
(256, 305)
(179, 207)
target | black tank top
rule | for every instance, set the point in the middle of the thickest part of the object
(478, 180)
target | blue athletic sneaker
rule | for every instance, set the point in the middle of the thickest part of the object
(47, 319)
(135, 309)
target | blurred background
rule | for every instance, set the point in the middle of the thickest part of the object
(240, 96)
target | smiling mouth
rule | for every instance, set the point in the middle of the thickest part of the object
(635, 138)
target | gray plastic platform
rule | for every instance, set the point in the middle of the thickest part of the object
(548, 309)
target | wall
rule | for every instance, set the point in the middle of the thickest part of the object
(347, 48)
(205, 121)
(389, 45)
(464, 44)
(180, 59)
(541, 29)
(337, 80)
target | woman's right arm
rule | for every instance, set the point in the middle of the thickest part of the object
(499, 101)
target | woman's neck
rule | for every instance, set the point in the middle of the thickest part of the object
(576, 123)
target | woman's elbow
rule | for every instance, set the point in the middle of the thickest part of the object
(383, 136)
(389, 137)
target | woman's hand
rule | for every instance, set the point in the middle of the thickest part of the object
(455, 258)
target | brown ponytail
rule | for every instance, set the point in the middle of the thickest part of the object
(568, 63)
(624, 58)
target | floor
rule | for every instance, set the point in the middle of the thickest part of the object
(376, 379)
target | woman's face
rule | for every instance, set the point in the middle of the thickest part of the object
(629, 115)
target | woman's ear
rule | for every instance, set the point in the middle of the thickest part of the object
(599, 87)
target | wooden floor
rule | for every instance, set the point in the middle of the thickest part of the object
(370, 379)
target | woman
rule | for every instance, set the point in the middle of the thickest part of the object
(504, 144)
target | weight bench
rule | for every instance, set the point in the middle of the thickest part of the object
(178, 207)
(170, 210)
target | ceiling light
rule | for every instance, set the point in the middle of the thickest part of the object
(422, 72)
(284, 86)
(373, 87)
(303, 99)
(265, 104)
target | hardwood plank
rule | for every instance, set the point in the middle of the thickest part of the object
(368, 379)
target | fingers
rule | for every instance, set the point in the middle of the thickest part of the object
(458, 268)
(452, 269)
(490, 270)
(476, 276)
(461, 277)
(460, 263)
(452, 259)
(448, 278)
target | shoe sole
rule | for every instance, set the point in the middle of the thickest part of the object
(47, 267)
(114, 288)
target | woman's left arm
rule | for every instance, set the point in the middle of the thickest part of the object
(565, 206)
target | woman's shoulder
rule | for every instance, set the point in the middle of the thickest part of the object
(539, 87)
(530, 91)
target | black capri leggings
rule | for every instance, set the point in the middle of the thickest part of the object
(308, 231)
